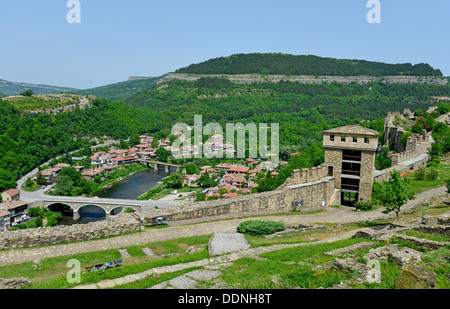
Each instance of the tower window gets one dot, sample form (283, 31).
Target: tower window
(332, 138)
(366, 140)
(355, 139)
(343, 138)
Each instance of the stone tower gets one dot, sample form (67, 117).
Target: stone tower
(350, 157)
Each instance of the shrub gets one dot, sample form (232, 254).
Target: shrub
(420, 173)
(259, 227)
(432, 174)
(447, 183)
(368, 205)
(200, 197)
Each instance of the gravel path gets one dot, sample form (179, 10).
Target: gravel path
(342, 215)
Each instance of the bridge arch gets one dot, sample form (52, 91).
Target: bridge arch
(118, 209)
(92, 211)
(64, 208)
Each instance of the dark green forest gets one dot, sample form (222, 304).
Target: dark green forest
(302, 110)
(284, 64)
(27, 141)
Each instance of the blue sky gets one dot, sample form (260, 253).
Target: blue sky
(117, 39)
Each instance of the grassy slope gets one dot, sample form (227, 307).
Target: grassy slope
(42, 102)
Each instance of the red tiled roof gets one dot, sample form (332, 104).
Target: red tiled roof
(92, 173)
(234, 194)
(238, 169)
(126, 158)
(245, 191)
(14, 204)
(12, 192)
(3, 213)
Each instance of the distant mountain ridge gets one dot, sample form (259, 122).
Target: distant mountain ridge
(285, 64)
(8, 88)
(122, 90)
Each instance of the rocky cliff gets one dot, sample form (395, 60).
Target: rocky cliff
(257, 78)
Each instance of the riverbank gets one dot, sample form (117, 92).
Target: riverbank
(73, 183)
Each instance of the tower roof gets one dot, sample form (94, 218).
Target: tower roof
(352, 129)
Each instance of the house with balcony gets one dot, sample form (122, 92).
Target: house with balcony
(16, 210)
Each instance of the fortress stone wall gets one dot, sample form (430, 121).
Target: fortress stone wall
(307, 175)
(113, 225)
(311, 195)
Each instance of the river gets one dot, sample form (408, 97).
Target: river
(133, 186)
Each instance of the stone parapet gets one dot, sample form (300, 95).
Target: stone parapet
(115, 225)
(308, 175)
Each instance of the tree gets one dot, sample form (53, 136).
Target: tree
(35, 212)
(7, 180)
(29, 183)
(27, 93)
(40, 179)
(134, 139)
(394, 194)
(163, 154)
(192, 169)
(175, 181)
(206, 182)
(382, 161)
(63, 185)
(155, 143)
(123, 144)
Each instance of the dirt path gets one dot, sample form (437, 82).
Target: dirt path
(342, 215)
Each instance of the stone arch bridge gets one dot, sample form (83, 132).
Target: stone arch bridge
(110, 206)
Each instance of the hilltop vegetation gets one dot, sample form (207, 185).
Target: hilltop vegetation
(27, 140)
(302, 110)
(121, 91)
(284, 64)
(42, 102)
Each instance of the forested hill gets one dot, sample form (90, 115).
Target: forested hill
(29, 140)
(122, 90)
(302, 110)
(284, 64)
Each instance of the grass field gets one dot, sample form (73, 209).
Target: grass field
(282, 269)
(422, 185)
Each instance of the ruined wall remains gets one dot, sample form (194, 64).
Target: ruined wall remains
(114, 225)
(384, 175)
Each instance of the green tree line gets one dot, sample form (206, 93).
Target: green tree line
(285, 64)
